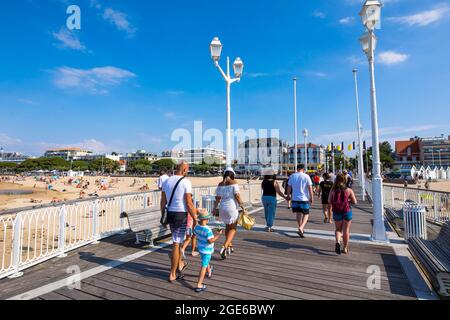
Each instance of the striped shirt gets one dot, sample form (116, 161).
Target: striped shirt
(204, 233)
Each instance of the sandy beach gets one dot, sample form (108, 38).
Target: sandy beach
(63, 190)
(441, 186)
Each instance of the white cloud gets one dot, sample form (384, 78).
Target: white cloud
(355, 60)
(347, 20)
(96, 80)
(318, 74)
(7, 141)
(120, 20)
(27, 101)
(257, 74)
(425, 18)
(175, 92)
(392, 57)
(319, 14)
(387, 133)
(69, 40)
(169, 115)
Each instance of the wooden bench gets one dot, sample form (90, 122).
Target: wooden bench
(395, 217)
(434, 258)
(146, 224)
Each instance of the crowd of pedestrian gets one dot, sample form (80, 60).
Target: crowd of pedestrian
(189, 225)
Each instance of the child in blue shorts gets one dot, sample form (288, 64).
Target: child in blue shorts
(205, 245)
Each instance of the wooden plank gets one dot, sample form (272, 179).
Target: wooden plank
(89, 288)
(154, 289)
(119, 286)
(53, 296)
(159, 279)
(77, 294)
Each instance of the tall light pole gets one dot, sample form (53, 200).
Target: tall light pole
(295, 127)
(216, 51)
(362, 180)
(305, 135)
(371, 17)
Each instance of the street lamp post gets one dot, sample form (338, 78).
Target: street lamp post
(295, 127)
(362, 180)
(305, 135)
(370, 14)
(238, 66)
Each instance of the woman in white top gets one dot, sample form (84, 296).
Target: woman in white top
(228, 201)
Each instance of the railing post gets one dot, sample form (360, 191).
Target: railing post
(17, 246)
(435, 206)
(95, 223)
(122, 211)
(392, 198)
(145, 201)
(62, 232)
(404, 195)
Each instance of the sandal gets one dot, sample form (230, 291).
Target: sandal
(301, 234)
(211, 272)
(184, 268)
(345, 251)
(223, 253)
(198, 290)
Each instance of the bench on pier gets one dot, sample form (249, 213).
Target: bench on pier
(434, 258)
(146, 224)
(395, 217)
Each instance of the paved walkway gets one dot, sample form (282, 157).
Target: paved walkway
(276, 265)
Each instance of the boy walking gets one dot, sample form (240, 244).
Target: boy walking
(205, 243)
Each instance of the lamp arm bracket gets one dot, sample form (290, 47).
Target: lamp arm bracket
(221, 71)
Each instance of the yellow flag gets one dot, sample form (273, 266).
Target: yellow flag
(329, 147)
(339, 148)
(350, 147)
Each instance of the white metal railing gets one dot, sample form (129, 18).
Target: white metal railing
(437, 204)
(34, 235)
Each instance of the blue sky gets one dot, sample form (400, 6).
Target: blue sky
(137, 70)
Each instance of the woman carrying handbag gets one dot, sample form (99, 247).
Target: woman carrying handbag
(228, 201)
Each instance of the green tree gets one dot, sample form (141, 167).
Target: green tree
(80, 166)
(104, 165)
(49, 164)
(8, 167)
(140, 166)
(387, 158)
(164, 164)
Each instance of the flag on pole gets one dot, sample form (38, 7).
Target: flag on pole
(364, 145)
(354, 145)
(339, 148)
(329, 148)
(350, 147)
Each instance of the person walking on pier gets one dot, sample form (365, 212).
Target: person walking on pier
(300, 191)
(324, 192)
(162, 178)
(285, 187)
(340, 199)
(206, 239)
(228, 201)
(270, 188)
(179, 190)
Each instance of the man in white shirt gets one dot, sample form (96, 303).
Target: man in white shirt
(177, 213)
(300, 191)
(162, 178)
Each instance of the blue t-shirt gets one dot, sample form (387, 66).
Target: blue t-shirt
(203, 235)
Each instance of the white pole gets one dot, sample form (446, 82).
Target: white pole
(362, 180)
(306, 154)
(295, 127)
(228, 114)
(379, 231)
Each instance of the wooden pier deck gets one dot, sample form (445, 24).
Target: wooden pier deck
(273, 266)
